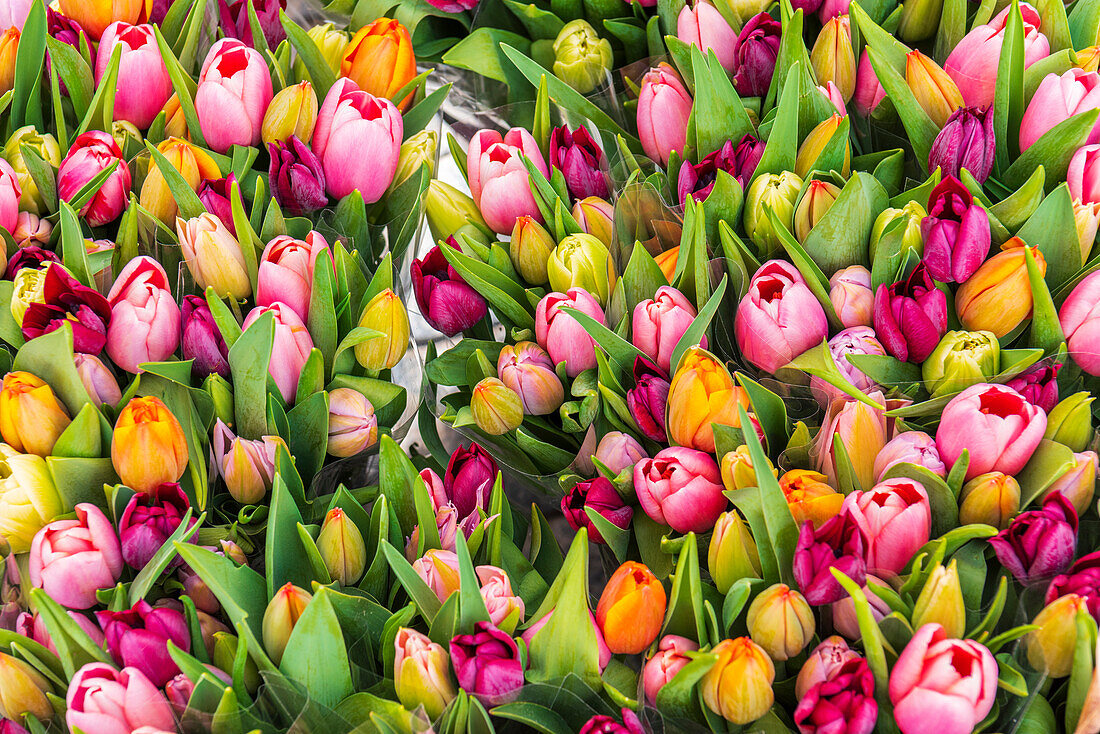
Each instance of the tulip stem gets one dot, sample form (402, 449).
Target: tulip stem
(236, 308)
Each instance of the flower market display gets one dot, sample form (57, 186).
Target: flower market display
(755, 394)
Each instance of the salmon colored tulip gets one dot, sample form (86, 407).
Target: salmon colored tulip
(148, 447)
(809, 497)
(631, 609)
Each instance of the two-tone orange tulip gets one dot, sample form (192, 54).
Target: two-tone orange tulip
(739, 685)
(31, 416)
(997, 297)
(9, 47)
(631, 609)
(935, 91)
(380, 60)
(810, 497)
(193, 163)
(148, 447)
(282, 613)
(95, 15)
(702, 393)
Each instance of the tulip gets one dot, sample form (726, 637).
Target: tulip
(942, 685)
(836, 544)
(202, 340)
(214, 256)
(704, 27)
(438, 569)
(13, 13)
(844, 611)
(738, 471)
(581, 160)
(143, 86)
(145, 320)
(739, 685)
(235, 21)
(1088, 58)
(1010, 429)
(779, 318)
(446, 301)
(832, 92)
(618, 452)
(380, 60)
(702, 393)
(732, 554)
(297, 177)
(941, 601)
(956, 233)
(192, 163)
(30, 229)
(387, 315)
(754, 55)
(95, 17)
(911, 447)
(293, 111)
(23, 188)
(698, 180)
(28, 498)
(913, 215)
(352, 424)
(961, 359)
(823, 663)
(66, 301)
(420, 673)
(895, 519)
(868, 91)
(31, 417)
(1080, 321)
(648, 400)
(809, 498)
(1082, 177)
(631, 609)
(966, 141)
(1057, 99)
(660, 322)
(843, 703)
(667, 261)
(71, 559)
(23, 691)
(246, 466)
(854, 341)
(973, 62)
(561, 335)
(991, 498)
(342, 548)
(148, 447)
(91, 153)
(175, 122)
(1039, 544)
(664, 106)
(1082, 579)
(1050, 648)
(504, 606)
(234, 90)
(1070, 422)
(487, 664)
(416, 153)
(449, 210)
(331, 42)
(852, 298)
(863, 431)
(599, 495)
(933, 88)
(496, 408)
(665, 664)
(809, 152)
(281, 615)
(777, 192)
(682, 488)
(139, 638)
(1086, 221)
(597, 218)
(910, 316)
(468, 481)
(499, 179)
(102, 700)
(1039, 385)
(581, 58)
(214, 195)
(814, 204)
(9, 49)
(832, 57)
(148, 521)
(1078, 483)
(530, 249)
(30, 287)
(526, 369)
(286, 271)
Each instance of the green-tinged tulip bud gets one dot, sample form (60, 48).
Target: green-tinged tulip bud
(225, 655)
(1050, 648)
(30, 287)
(282, 613)
(331, 42)
(497, 409)
(385, 314)
(448, 209)
(911, 238)
(420, 673)
(941, 601)
(582, 261)
(596, 217)
(22, 691)
(779, 191)
(1078, 483)
(961, 359)
(342, 548)
(919, 20)
(813, 205)
(233, 552)
(293, 111)
(780, 621)
(28, 497)
(581, 58)
(738, 471)
(127, 136)
(529, 250)
(992, 498)
(45, 145)
(419, 150)
(221, 393)
(815, 143)
(732, 555)
(1070, 421)
(833, 58)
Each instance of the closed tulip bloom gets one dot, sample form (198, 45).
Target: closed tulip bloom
(823, 663)
(836, 544)
(738, 471)
(498, 176)
(13, 13)
(619, 451)
(528, 370)
(832, 57)
(235, 22)
(72, 559)
(665, 664)
(22, 187)
(31, 416)
(777, 192)
(446, 301)
(681, 488)
(9, 49)
(293, 111)
(935, 91)
(804, 163)
(754, 55)
(599, 495)
(148, 521)
(581, 58)
(95, 17)
(910, 316)
(561, 335)
(247, 466)
(779, 318)
(973, 61)
(214, 195)
(421, 676)
(702, 393)
(380, 60)
(23, 691)
(732, 554)
(596, 217)
(214, 256)
(487, 664)
(868, 91)
(280, 617)
(956, 232)
(1039, 544)
(139, 638)
(385, 314)
(704, 27)
(439, 570)
(1070, 421)
(852, 298)
(739, 685)
(505, 607)
(992, 498)
(631, 609)
(1083, 175)
(469, 479)
(581, 160)
(1082, 579)
(234, 90)
(995, 424)
(660, 322)
(961, 359)
(286, 271)
(175, 123)
(1058, 98)
(863, 431)
(297, 177)
(148, 447)
(143, 85)
(664, 106)
(966, 141)
(496, 408)
(28, 498)
(417, 153)
(202, 340)
(857, 340)
(1078, 483)
(911, 447)
(1050, 649)
(530, 249)
(941, 685)
(342, 548)
(145, 320)
(809, 497)
(814, 204)
(194, 164)
(103, 700)
(1080, 320)
(352, 424)
(647, 401)
(895, 520)
(941, 601)
(91, 153)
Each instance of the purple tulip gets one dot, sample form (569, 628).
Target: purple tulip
(754, 55)
(139, 638)
(31, 256)
(297, 176)
(836, 544)
(202, 339)
(581, 161)
(1083, 579)
(63, 28)
(956, 233)
(807, 6)
(966, 141)
(911, 316)
(648, 399)
(446, 301)
(600, 495)
(697, 180)
(487, 664)
(214, 195)
(1039, 544)
(469, 479)
(842, 704)
(233, 16)
(67, 301)
(147, 522)
(1038, 385)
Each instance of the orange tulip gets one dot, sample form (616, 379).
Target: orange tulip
(631, 609)
(191, 161)
(810, 497)
(95, 15)
(31, 417)
(148, 447)
(9, 46)
(935, 91)
(666, 261)
(997, 297)
(702, 393)
(380, 60)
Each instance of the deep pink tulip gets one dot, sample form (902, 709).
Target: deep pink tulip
(1083, 579)
(869, 92)
(561, 335)
(358, 141)
(911, 447)
(618, 451)
(1039, 544)
(895, 519)
(1080, 319)
(940, 685)
(603, 724)
(600, 495)
(856, 340)
(704, 27)
(145, 320)
(214, 195)
(10, 191)
(648, 399)
(1038, 384)
(72, 559)
(286, 271)
(754, 55)
(972, 64)
(659, 323)
(202, 340)
(830, 9)
(102, 700)
(581, 160)
(836, 544)
(139, 637)
(956, 232)
(779, 318)
(697, 179)
(234, 21)
(499, 181)
(143, 85)
(32, 626)
(832, 91)
(911, 316)
(968, 141)
(996, 424)
(1057, 99)
(1083, 176)
(148, 520)
(681, 488)
(233, 93)
(665, 664)
(91, 153)
(446, 301)
(453, 6)
(67, 301)
(28, 256)
(468, 481)
(843, 704)
(487, 664)
(664, 106)
(289, 350)
(296, 177)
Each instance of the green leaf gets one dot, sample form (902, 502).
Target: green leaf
(685, 607)
(839, 238)
(1050, 461)
(248, 362)
(315, 654)
(779, 152)
(74, 647)
(29, 64)
(150, 574)
(396, 477)
(717, 114)
(618, 349)
(183, 86)
(533, 716)
(1046, 330)
(1008, 100)
(693, 335)
(1052, 229)
(1053, 150)
(76, 74)
(420, 593)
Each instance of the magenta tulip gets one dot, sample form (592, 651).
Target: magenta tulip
(681, 488)
(139, 637)
(704, 27)
(358, 141)
(603, 724)
(599, 495)
(487, 664)
(297, 176)
(972, 64)
(214, 195)
(779, 318)
(143, 85)
(201, 340)
(1083, 579)
(869, 92)
(10, 191)
(286, 271)
(911, 316)
(446, 301)
(145, 320)
(91, 153)
(697, 180)
(1080, 319)
(1039, 385)
(843, 704)
(895, 519)
(996, 424)
(911, 447)
(659, 323)
(1083, 176)
(647, 401)
(468, 481)
(234, 20)
(499, 181)
(233, 93)
(664, 106)
(289, 350)
(72, 559)
(956, 232)
(967, 141)
(754, 55)
(67, 301)
(837, 544)
(561, 335)
(581, 160)
(1057, 99)
(102, 700)
(1039, 544)
(669, 660)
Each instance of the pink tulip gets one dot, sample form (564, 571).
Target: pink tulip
(832, 91)
(940, 685)
(895, 519)
(844, 611)
(439, 570)
(665, 664)
(604, 652)
(823, 661)
(71, 559)
(91, 153)
(1083, 176)
(857, 340)
(358, 141)
(32, 626)
(681, 488)
(13, 13)
(973, 62)
(618, 450)
(779, 318)
(145, 320)
(286, 271)
(996, 424)
(499, 182)
(233, 93)
(851, 295)
(561, 335)
(102, 700)
(10, 191)
(289, 350)
(660, 322)
(500, 601)
(1057, 99)
(704, 27)
(911, 447)
(664, 106)
(832, 8)
(869, 92)
(143, 85)
(1080, 319)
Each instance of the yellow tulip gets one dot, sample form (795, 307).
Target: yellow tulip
(935, 91)
(739, 686)
(702, 393)
(780, 621)
(31, 416)
(385, 314)
(28, 498)
(293, 111)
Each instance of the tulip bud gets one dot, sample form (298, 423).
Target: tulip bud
(664, 106)
(754, 55)
(919, 20)
(448, 210)
(600, 495)
(280, 616)
(497, 409)
(966, 141)
(331, 42)
(487, 664)
(739, 685)
(297, 177)
(386, 314)
(23, 691)
(420, 673)
(732, 555)
(45, 145)
(669, 660)
(582, 261)
(30, 229)
(941, 601)
(702, 393)
(997, 297)
(813, 205)
(992, 498)
(224, 654)
(911, 316)
(148, 447)
(352, 424)
(1050, 648)
(97, 379)
(293, 111)
(780, 621)
(809, 497)
(89, 155)
(631, 609)
(342, 548)
(596, 217)
(935, 91)
(1086, 220)
(1040, 543)
(778, 192)
(193, 163)
(418, 151)
(833, 58)
(31, 416)
(30, 287)
(380, 60)
(581, 58)
(214, 256)
(221, 393)
(582, 162)
(530, 250)
(815, 143)
(9, 48)
(911, 237)
(1070, 421)
(1078, 483)
(961, 359)
(618, 451)
(175, 125)
(526, 369)
(852, 298)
